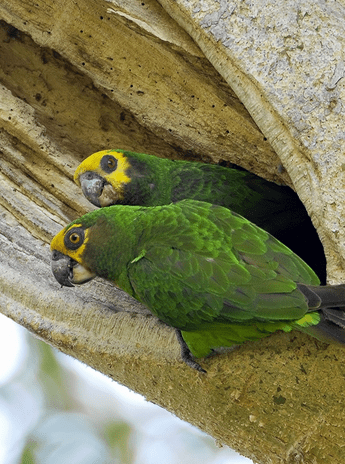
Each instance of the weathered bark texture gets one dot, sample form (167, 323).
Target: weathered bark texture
(285, 61)
(85, 75)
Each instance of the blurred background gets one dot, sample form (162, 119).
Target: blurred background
(54, 409)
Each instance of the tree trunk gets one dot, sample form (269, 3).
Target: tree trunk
(264, 91)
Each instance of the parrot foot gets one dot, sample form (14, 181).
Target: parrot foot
(186, 355)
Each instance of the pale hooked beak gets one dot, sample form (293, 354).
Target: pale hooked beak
(68, 272)
(97, 190)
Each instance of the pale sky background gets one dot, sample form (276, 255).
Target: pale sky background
(163, 438)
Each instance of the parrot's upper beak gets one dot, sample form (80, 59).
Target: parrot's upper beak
(97, 190)
(68, 272)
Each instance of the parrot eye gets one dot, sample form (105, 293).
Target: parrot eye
(108, 163)
(74, 238)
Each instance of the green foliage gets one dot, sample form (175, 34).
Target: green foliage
(28, 455)
(118, 435)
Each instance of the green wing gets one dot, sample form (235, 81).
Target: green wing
(221, 268)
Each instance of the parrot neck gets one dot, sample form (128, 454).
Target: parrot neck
(149, 184)
(111, 243)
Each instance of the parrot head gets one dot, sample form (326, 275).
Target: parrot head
(67, 254)
(103, 177)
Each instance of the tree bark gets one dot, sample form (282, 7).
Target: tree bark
(285, 61)
(81, 76)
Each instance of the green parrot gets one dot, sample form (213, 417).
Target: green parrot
(123, 177)
(215, 277)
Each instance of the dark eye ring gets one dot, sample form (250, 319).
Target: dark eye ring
(74, 238)
(108, 163)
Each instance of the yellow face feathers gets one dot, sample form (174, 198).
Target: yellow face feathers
(112, 165)
(71, 242)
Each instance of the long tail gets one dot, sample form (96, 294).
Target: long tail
(329, 301)
(323, 296)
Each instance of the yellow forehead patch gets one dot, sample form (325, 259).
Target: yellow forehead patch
(58, 243)
(116, 178)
